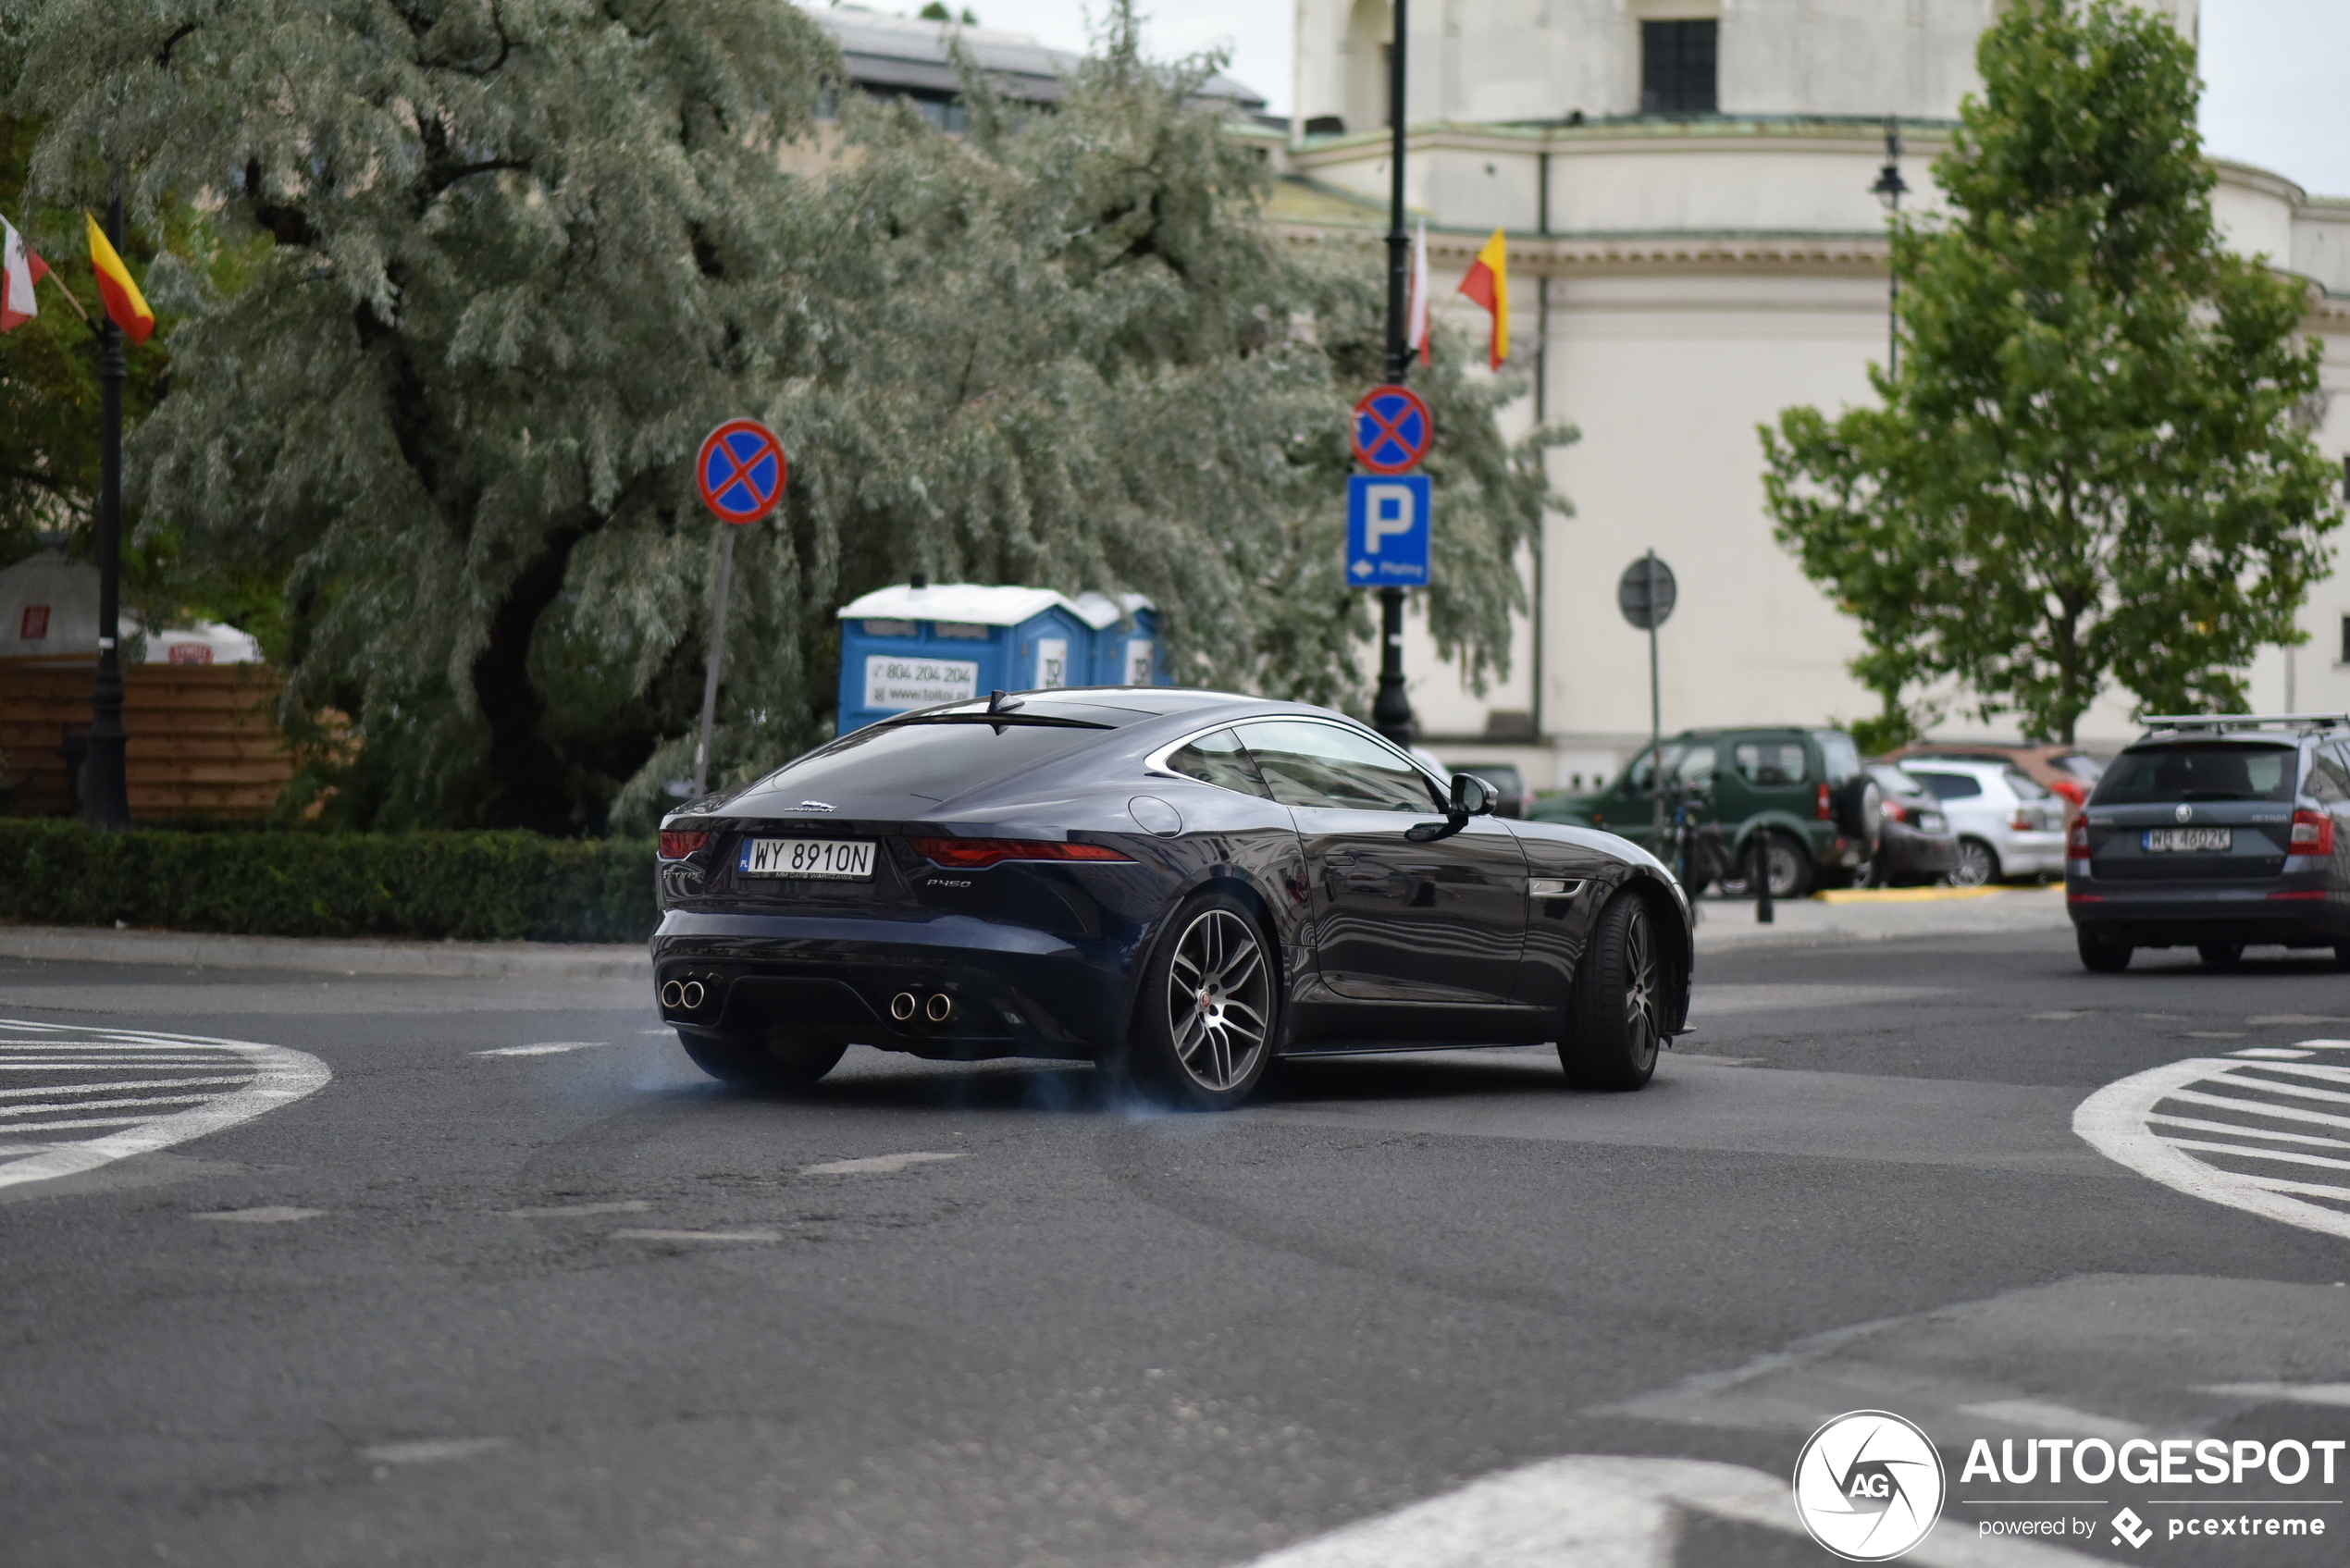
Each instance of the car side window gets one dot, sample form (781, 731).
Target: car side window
(1219, 760)
(1310, 764)
(1948, 786)
(2025, 787)
(2329, 781)
(1636, 777)
(1696, 767)
(1771, 764)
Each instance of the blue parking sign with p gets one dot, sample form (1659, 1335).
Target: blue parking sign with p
(1387, 530)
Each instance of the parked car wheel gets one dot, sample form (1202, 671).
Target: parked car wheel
(2100, 956)
(1978, 864)
(2220, 955)
(1615, 1018)
(1203, 1026)
(772, 1061)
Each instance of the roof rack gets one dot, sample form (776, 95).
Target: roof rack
(2224, 722)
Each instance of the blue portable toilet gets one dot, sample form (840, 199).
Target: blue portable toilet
(909, 647)
(1125, 639)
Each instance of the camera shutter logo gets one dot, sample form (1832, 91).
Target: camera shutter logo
(1869, 1486)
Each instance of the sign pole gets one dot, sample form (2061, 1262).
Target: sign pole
(1656, 709)
(717, 653)
(1391, 710)
(106, 788)
(740, 473)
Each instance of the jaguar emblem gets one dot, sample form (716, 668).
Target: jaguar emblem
(2184, 813)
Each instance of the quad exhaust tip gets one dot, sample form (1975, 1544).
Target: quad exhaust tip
(687, 994)
(693, 993)
(902, 1005)
(941, 1008)
(672, 994)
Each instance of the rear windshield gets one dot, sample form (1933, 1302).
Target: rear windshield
(931, 761)
(2161, 775)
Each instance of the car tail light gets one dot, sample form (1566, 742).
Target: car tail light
(1825, 809)
(2076, 840)
(2312, 833)
(968, 852)
(2311, 893)
(2022, 821)
(677, 846)
(1894, 811)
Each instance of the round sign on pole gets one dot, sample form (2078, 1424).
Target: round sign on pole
(1392, 430)
(1645, 593)
(740, 471)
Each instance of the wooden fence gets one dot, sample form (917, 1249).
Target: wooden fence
(202, 741)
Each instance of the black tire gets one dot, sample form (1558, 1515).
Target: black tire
(1978, 864)
(1790, 866)
(2220, 955)
(1615, 1018)
(2101, 956)
(1208, 1015)
(1860, 811)
(773, 1061)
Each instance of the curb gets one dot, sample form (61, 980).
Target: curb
(2012, 911)
(454, 960)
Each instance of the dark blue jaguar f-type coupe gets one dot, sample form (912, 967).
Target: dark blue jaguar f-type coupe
(1180, 885)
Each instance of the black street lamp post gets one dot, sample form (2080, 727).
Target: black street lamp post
(1391, 710)
(1889, 189)
(105, 790)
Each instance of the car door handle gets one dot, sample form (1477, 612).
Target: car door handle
(1553, 887)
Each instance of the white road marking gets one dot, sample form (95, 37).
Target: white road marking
(246, 1079)
(276, 1214)
(2300, 1393)
(1594, 1512)
(544, 1048)
(428, 1451)
(2274, 1053)
(875, 1165)
(698, 1235)
(114, 1083)
(563, 1210)
(2126, 1122)
(2050, 1417)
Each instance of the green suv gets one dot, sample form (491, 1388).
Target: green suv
(1804, 790)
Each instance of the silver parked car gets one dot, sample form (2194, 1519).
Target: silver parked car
(2007, 825)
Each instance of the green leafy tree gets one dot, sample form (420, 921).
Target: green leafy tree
(521, 257)
(2095, 466)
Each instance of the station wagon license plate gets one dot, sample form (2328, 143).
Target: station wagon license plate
(841, 859)
(2190, 841)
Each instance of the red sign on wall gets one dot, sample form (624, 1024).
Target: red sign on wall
(35, 624)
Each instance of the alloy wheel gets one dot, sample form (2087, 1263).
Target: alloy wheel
(1643, 987)
(1975, 865)
(1218, 996)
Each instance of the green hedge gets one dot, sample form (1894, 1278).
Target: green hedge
(472, 886)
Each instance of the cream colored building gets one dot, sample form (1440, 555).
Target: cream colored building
(1694, 246)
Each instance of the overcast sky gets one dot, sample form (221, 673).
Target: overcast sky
(2276, 70)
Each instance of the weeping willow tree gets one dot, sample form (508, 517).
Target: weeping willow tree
(522, 255)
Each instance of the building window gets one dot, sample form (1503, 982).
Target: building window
(2346, 639)
(1677, 68)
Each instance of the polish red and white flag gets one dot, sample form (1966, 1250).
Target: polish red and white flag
(20, 270)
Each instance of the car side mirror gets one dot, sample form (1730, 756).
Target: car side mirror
(1472, 797)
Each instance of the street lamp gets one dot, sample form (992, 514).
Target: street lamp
(1889, 189)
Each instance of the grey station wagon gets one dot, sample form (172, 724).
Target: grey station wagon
(2215, 833)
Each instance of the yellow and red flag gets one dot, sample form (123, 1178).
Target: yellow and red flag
(124, 302)
(1489, 284)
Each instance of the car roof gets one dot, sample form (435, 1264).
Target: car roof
(1964, 764)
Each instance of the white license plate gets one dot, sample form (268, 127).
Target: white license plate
(2190, 841)
(841, 859)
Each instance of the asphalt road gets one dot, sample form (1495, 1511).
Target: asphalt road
(515, 1285)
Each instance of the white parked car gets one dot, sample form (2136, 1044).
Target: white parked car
(2007, 825)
